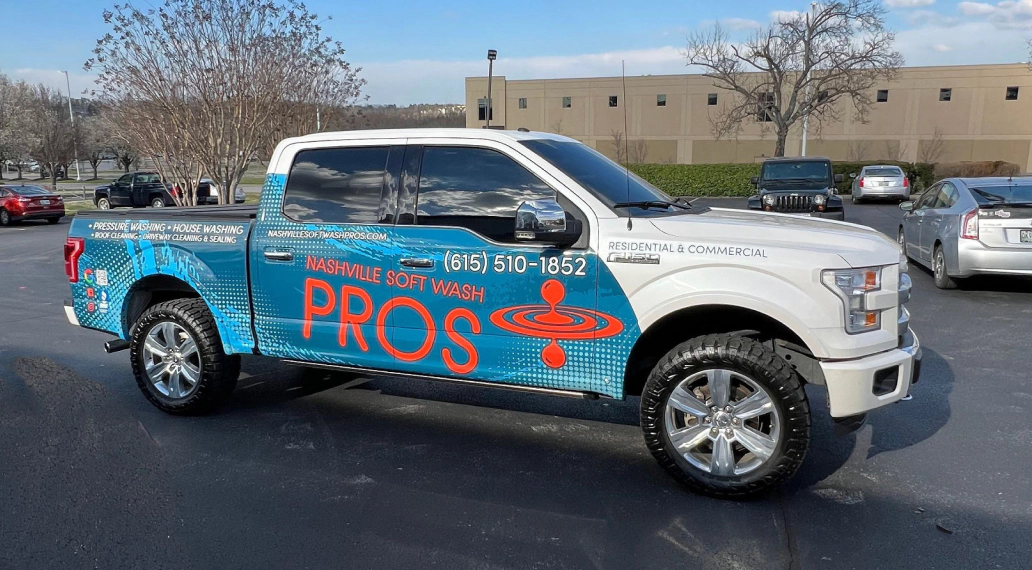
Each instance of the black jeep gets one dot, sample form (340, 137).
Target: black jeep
(801, 185)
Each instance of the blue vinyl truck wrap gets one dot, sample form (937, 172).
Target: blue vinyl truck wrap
(519, 260)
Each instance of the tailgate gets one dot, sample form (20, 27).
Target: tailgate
(1005, 227)
(125, 255)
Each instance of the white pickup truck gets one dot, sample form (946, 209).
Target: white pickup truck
(521, 260)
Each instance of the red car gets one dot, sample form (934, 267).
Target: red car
(25, 202)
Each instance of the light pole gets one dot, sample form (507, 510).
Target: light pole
(492, 55)
(71, 116)
(806, 59)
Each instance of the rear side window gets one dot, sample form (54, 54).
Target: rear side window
(947, 196)
(148, 178)
(336, 185)
(475, 188)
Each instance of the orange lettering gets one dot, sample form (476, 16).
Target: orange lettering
(311, 310)
(431, 329)
(352, 320)
(464, 344)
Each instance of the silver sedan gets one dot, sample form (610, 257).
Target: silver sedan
(880, 182)
(966, 226)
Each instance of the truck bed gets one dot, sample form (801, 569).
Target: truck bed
(228, 212)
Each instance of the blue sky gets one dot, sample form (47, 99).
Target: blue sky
(419, 52)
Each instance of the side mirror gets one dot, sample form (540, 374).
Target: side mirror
(544, 221)
(852, 175)
(838, 178)
(907, 206)
(755, 180)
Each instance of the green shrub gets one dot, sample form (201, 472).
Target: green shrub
(700, 179)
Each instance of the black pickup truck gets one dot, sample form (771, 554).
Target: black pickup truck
(798, 185)
(134, 190)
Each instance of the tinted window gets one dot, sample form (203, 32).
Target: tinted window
(608, 181)
(30, 191)
(125, 179)
(928, 197)
(805, 170)
(883, 171)
(336, 185)
(152, 178)
(3, 193)
(1003, 194)
(475, 188)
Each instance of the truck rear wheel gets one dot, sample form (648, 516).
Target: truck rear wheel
(726, 416)
(178, 360)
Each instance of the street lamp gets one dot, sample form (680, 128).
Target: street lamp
(492, 55)
(71, 116)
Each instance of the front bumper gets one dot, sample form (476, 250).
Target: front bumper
(860, 385)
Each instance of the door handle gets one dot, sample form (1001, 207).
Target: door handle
(278, 255)
(417, 263)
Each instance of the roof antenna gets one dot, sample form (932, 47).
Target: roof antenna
(627, 171)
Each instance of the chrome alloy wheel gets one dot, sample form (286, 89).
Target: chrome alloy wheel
(939, 265)
(722, 422)
(171, 360)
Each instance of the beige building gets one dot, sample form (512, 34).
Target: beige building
(943, 114)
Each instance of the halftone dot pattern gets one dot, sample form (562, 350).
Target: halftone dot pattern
(217, 273)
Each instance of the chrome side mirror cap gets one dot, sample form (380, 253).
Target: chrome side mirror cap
(543, 221)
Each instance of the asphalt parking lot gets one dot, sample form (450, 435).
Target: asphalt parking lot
(302, 471)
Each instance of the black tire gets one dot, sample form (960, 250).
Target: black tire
(103, 203)
(855, 199)
(218, 371)
(53, 221)
(5, 218)
(157, 202)
(742, 356)
(940, 271)
(902, 242)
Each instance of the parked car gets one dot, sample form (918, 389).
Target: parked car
(880, 182)
(521, 260)
(966, 226)
(800, 185)
(134, 190)
(28, 202)
(208, 193)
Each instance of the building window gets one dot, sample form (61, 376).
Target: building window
(945, 94)
(523, 102)
(567, 102)
(661, 100)
(1012, 93)
(883, 96)
(711, 99)
(482, 110)
(613, 101)
(765, 104)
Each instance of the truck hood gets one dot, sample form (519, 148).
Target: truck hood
(858, 246)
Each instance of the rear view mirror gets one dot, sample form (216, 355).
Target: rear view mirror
(907, 206)
(755, 180)
(838, 178)
(544, 221)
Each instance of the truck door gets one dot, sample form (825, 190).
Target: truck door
(321, 250)
(470, 301)
(119, 193)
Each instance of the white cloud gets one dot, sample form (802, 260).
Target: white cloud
(82, 83)
(922, 18)
(971, 42)
(908, 3)
(786, 15)
(1010, 14)
(941, 48)
(740, 24)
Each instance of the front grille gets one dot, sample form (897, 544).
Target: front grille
(786, 203)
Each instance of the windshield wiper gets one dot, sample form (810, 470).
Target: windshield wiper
(646, 204)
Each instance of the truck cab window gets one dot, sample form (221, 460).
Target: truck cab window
(475, 188)
(336, 185)
(125, 179)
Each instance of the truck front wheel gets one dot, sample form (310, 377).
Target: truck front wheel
(178, 360)
(726, 416)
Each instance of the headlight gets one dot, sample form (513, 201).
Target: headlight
(820, 199)
(852, 286)
(768, 199)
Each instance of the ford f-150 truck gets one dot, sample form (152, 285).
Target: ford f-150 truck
(521, 260)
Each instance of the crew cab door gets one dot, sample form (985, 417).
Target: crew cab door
(320, 252)
(471, 301)
(120, 191)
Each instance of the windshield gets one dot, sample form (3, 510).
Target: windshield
(802, 171)
(884, 171)
(605, 179)
(1003, 194)
(29, 190)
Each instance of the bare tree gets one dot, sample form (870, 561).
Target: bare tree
(895, 151)
(220, 79)
(95, 141)
(54, 134)
(857, 151)
(931, 152)
(124, 152)
(800, 65)
(618, 146)
(639, 151)
(15, 122)
(557, 127)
